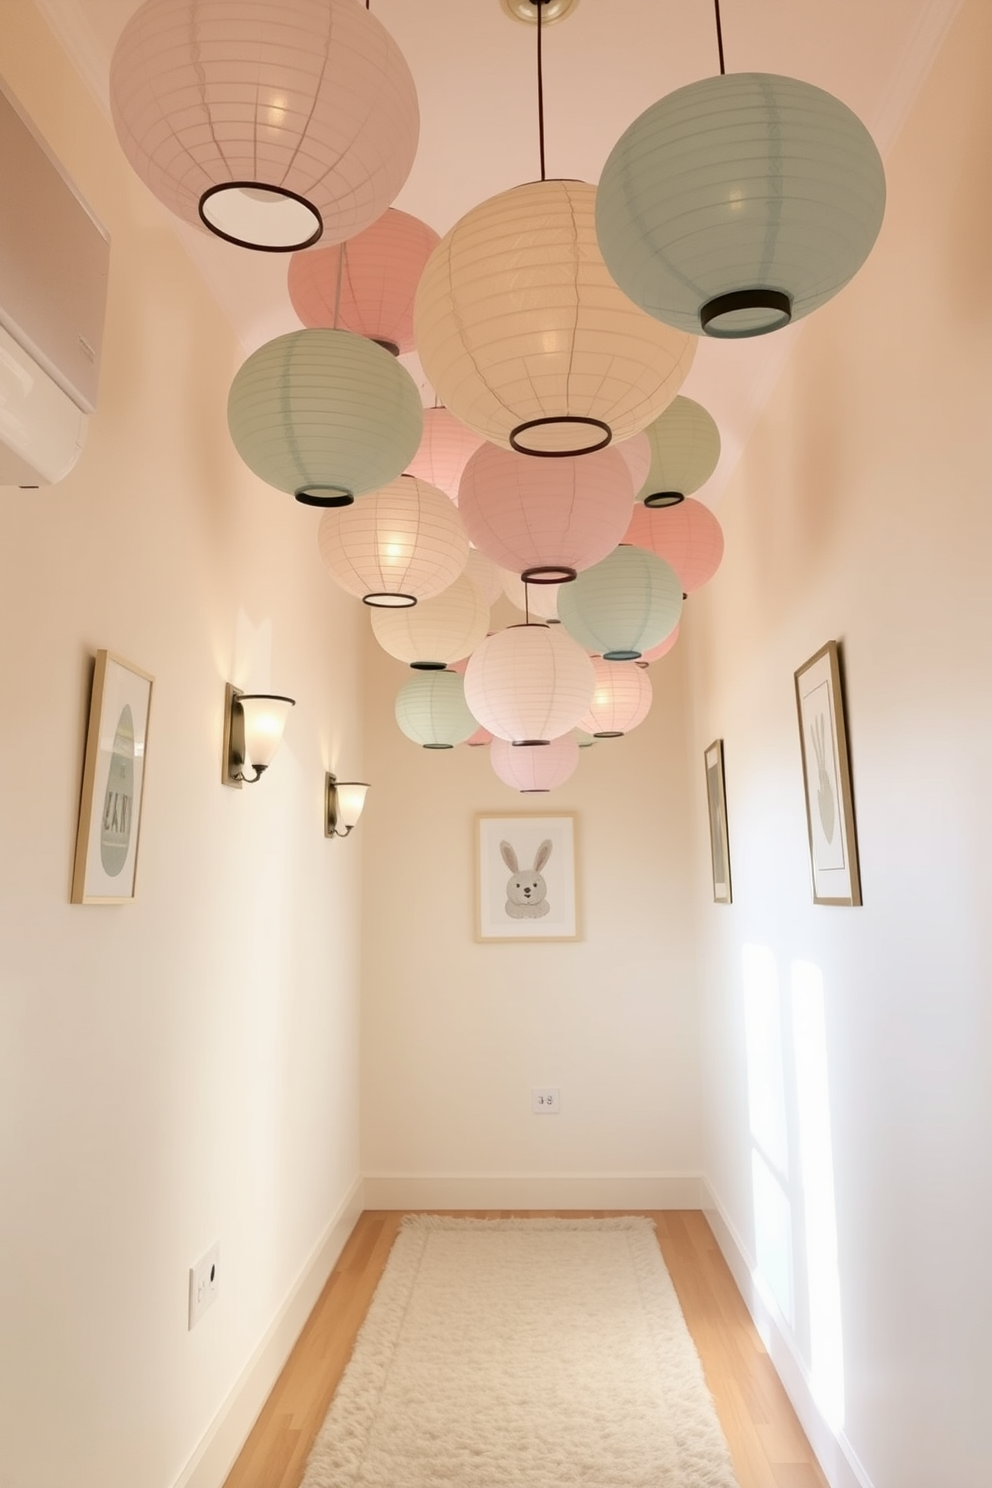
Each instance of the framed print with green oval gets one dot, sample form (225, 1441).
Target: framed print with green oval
(113, 783)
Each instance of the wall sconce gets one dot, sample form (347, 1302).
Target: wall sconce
(343, 803)
(253, 727)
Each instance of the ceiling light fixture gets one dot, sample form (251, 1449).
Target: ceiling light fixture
(344, 802)
(253, 729)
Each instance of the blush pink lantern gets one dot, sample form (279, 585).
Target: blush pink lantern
(621, 697)
(446, 446)
(535, 769)
(688, 536)
(529, 684)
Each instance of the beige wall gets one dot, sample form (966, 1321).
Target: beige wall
(861, 511)
(182, 1070)
(456, 1033)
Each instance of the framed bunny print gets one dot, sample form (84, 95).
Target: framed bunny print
(525, 878)
(833, 845)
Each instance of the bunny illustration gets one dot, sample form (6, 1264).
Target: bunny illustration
(527, 892)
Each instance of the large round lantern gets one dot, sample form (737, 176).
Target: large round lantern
(623, 606)
(687, 536)
(685, 447)
(395, 546)
(324, 415)
(445, 449)
(536, 601)
(739, 203)
(368, 284)
(529, 684)
(525, 336)
(432, 711)
(269, 125)
(431, 635)
(621, 698)
(535, 769)
(545, 519)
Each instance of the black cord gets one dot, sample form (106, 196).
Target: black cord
(540, 85)
(719, 37)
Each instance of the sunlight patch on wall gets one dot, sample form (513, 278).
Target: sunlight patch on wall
(769, 1131)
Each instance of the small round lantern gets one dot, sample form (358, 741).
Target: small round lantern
(535, 769)
(623, 606)
(395, 546)
(685, 446)
(446, 447)
(621, 698)
(431, 635)
(432, 711)
(687, 536)
(529, 684)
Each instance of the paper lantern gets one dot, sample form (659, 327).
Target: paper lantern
(687, 536)
(582, 739)
(662, 648)
(685, 446)
(739, 203)
(539, 601)
(479, 738)
(325, 415)
(432, 711)
(529, 683)
(623, 606)
(621, 698)
(535, 768)
(379, 273)
(436, 632)
(527, 339)
(483, 571)
(445, 449)
(545, 519)
(271, 125)
(395, 546)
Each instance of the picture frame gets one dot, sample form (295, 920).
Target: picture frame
(109, 826)
(525, 878)
(716, 800)
(833, 845)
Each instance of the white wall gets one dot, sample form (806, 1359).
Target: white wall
(182, 1070)
(861, 512)
(455, 1033)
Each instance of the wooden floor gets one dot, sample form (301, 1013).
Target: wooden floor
(768, 1445)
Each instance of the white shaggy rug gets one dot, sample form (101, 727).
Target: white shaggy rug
(523, 1353)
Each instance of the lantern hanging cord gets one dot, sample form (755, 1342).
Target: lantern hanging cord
(719, 37)
(337, 287)
(540, 85)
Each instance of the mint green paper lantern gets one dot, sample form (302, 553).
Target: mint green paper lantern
(685, 448)
(325, 415)
(432, 711)
(739, 203)
(623, 606)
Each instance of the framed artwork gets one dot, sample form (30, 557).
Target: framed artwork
(833, 845)
(113, 781)
(716, 798)
(525, 878)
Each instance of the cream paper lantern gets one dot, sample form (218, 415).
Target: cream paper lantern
(535, 769)
(269, 124)
(621, 698)
(525, 336)
(685, 447)
(623, 606)
(446, 447)
(431, 635)
(395, 546)
(432, 711)
(529, 684)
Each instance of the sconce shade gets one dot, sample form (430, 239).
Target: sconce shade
(662, 648)
(525, 336)
(436, 632)
(380, 270)
(545, 519)
(325, 415)
(268, 124)
(621, 698)
(540, 601)
(484, 572)
(445, 449)
(535, 768)
(623, 606)
(253, 730)
(432, 711)
(344, 802)
(687, 536)
(738, 203)
(395, 546)
(685, 447)
(529, 683)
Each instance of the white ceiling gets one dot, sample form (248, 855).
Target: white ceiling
(475, 70)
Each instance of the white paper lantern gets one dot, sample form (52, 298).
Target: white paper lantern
(623, 606)
(529, 683)
(432, 634)
(535, 769)
(395, 546)
(621, 698)
(432, 711)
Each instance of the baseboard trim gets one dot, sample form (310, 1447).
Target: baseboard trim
(218, 1450)
(532, 1191)
(834, 1452)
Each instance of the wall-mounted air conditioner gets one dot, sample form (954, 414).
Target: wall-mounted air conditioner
(54, 263)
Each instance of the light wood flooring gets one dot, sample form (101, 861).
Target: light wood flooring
(768, 1445)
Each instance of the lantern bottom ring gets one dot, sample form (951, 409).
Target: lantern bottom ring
(621, 655)
(387, 601)
(560, 454)
(318, 495)
(428, 666)
(389, 346)
(548, 573)
(608, 734)
(730, 317)
(437, 746)
(663, 498)
(231, 208)
(528, 743)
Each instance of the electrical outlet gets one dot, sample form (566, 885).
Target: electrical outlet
(544, 1101)
(204, 1284)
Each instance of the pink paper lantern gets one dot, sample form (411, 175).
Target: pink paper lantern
(545, 519)
(446, 446)
(688, 536)
(535, 768)
(380, 270)
(529, 683)
(663, 647)
(480, 737)
(394, 546)
(621, 697)
(271, 125)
